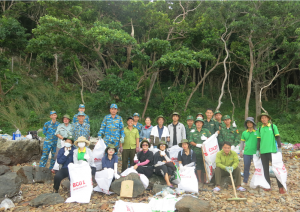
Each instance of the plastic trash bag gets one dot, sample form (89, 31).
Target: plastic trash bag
(189, 182)
(258, 178)
(210, 149)
(279, 169)
(173, 151)
(7, 203)
(98, 153)
(104, 179)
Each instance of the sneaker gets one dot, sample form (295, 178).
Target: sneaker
(244, 184)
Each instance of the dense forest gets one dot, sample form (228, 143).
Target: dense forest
(149, 57)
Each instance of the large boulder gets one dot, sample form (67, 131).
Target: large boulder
(138, 187)
(4, 169)
(47, 199)
(192, 204)
(20, 151)
(30, 174)
(155, 179)
(10, 184)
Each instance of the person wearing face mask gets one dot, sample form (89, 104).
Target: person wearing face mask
(83, 153)
(64, 157)
(144, 160)
(163, 166)
(110, 160)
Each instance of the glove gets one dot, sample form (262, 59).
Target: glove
(234, 124)
(279, 150)
(135, 157)
(121, 149)
(216, 133)
(105, 168)
(203, 137)
(137, 149)
(162, 153)
(122, 140)
(67, 153)
(257, 153)
(86, 156)
(199, 145)
(117, 176)
(229, 169)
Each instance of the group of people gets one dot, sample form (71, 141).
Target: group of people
(136, 143)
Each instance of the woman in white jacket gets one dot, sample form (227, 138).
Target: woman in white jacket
(159, 132)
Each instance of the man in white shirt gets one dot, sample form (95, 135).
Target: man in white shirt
(177, 130)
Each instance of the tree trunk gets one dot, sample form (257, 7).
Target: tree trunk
(152, 81)
(250, 79)
(257, 99)
(56, 68)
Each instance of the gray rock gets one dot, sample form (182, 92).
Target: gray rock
(10, 184)
(138, 187)
(65, 184)
(42, 174)
(47, 199)
(30, 174)
(26, 174)
(4, 169)
(294, 167)
(191, 204)
(157, 188)
(18, 152)
(155, 179)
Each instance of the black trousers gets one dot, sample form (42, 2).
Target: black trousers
(163, 170)
(148, 171)
(127, 154)
(59, 176)
(265, 159)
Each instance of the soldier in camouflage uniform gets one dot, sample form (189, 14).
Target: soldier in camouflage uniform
(80, 128)
(112, 128)
(209, 123)
(218, 118)
(81, 108)
(190, 126)
(228, 133)
(196, 140)
(50, 142)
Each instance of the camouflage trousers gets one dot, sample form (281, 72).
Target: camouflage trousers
(47, 147)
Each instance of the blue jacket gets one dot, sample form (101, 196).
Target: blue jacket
(145, 133)
(65, 160)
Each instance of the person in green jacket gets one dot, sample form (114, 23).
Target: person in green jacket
(228, 133)
(209, 123)
(227, 161)
(190, 126)
(218, 118)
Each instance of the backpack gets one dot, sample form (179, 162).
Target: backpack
(191, 153)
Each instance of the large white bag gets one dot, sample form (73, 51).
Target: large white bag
(81, 185)
(173, 151)
(121, 206)
(98, 153)
(56, 166)
(189, 182)
(279, 168)
(128, 171)
(144, 180)
(258, 178)
(103, 179)
(210, 149)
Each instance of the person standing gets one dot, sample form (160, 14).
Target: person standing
(249, 142)
(130, 145)
(50, 142)
(159, 132)
(227, 161)
(146, 130)
(267, 137)
(196, 140)
(81, 108)
(209, 123)
(63, 131)
(228, 133)
(200, 115)
(176, 130)
(218, 118)
(112, 128)
(190, 126)
(80, 128)
(136, 123)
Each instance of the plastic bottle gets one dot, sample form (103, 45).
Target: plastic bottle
(18, 134)
(34, 164)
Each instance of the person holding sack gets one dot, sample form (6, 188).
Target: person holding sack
(83, 153)
(110, 160)
(163, 165)
(267, 137)
(159, 132)
(144, 160)
(64, 157)
(186, 157)
(249, 141)
(227, 161)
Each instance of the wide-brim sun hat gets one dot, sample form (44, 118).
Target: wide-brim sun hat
(82, 139)
(110, 146)
(263, 114)
(143, 141)
(162, 143)
(184, 141)
(251, 119)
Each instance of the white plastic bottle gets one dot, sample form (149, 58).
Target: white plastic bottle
(18, 134)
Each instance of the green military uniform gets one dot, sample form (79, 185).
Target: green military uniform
(231, 135)
(196, 138)
(221, 124)
(212, 126)
(187, 129)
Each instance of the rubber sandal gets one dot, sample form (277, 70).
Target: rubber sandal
(282, 191)
(216, 189)
(241, 189)
(171, 186)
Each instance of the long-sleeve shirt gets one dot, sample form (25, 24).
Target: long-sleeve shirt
(157, 157)
(64, 131)
(223, 160)
(80, 130)
(112, 129)
(65, 160)
(49, 130)
(86, 119)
